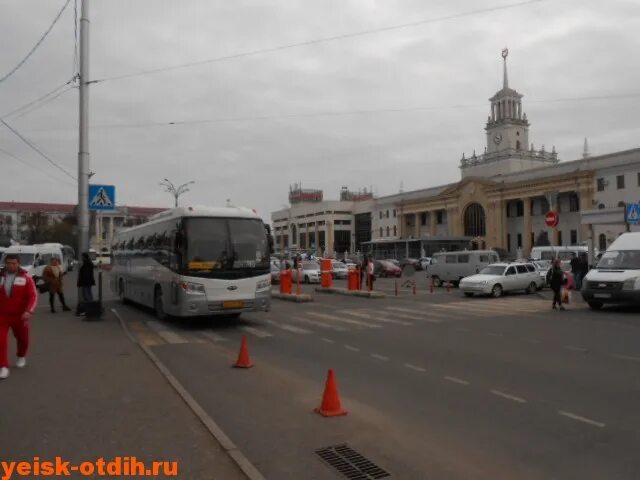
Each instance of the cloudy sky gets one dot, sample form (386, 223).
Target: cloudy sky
(385, 108)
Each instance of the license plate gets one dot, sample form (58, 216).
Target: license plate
(232, 304)
(601, 295)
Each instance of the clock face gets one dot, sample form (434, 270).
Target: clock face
(497, 139)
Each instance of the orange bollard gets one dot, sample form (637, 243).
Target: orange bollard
(330, 406)
(243, 357)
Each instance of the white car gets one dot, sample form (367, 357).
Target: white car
(339, 269)
(499, 278)
(310, 273)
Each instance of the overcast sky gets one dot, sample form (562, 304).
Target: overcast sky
(425, 87)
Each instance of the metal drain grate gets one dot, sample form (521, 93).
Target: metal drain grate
(350, 463)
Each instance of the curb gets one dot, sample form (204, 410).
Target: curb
(351, 293)
(291, 297)
(250, 471)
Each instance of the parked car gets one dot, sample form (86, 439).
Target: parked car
(414, 262)
(275, 273)
(310, 272)
(385, 268)
(498, 278)
(394, 261)
(542, 266)
(339, 269)
(454, 266)
(616, 278)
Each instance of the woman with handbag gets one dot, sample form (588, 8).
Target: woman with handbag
(53, 278)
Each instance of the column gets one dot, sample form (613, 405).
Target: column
(433, 216)
(416, 226)
(111, 232)
(98, 230)
(504, 224)
(526, 234)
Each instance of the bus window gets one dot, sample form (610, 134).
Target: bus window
(463, 258)
(451, 259)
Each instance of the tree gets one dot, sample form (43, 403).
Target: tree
(542, 240)
(37, 226)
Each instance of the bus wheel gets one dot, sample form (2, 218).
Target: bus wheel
(159, 305)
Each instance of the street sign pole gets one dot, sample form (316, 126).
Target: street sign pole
(83, 134)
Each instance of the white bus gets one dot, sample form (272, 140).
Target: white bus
(195, 261)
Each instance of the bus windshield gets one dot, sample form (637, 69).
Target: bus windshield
(225, 247)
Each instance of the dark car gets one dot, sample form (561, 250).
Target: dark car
(414, 262)
(385, 268)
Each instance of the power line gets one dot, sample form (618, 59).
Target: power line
(32, 146)
(319, 40)
(37, 100)
(55, 20)
(42, 104)
(9, 154)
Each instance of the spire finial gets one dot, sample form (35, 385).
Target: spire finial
(585, 152)
(505, 81)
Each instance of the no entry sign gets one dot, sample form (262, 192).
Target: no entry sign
(551, 219)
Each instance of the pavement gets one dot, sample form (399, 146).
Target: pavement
(88, 392)
(437, 385)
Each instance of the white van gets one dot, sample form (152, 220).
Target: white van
(65, 254)
(616, 278)
(33, 258)
(564, 253)
(454, 266)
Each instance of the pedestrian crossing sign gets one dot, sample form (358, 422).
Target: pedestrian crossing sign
(633, 213)
(102, 197)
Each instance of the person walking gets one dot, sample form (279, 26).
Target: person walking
(53, 278)
(576, 269)
(363, 269)
(86, 281)
(583, 269)
(18, 300)
(556, 280)
(370, 272)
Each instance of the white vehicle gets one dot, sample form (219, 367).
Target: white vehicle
(339, 269)
(67, 254)
(499, 278)
(33, 258)
(309, 273)
(616, 278)
(454, 266)
(564, 253)
(195, 261)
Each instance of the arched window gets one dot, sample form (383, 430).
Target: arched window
(294, 235)
(602, 242)
(622, 204)
(474, 221)
(517, 144)
(381, 233)
(601, 206)
(395, 231)
(388, 231)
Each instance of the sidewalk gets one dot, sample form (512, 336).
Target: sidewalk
(89, 392)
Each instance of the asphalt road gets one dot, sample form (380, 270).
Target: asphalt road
(438, 386)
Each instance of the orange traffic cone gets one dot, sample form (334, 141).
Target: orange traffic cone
(330, 399)
(243, 357)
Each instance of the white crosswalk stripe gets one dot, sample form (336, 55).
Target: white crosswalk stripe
(318, 323)
(214, 337)
(256, 332)
(288, 328)
(375, 317)
(171, 337)
(336, 318)
(425, 315)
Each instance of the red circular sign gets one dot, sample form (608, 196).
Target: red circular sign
(551, 219)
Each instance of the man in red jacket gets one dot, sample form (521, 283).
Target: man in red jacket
(18, 299)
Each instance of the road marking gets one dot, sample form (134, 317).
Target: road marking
(581, 419)
(353, 349)
(456, 380)
(407, 310)
(414, 367)
(377, 319)
(626, 357)
(156, 326)
(214, 337)
(495, 334)
(149, 339)
(380, 357)
(257, 332)
(171, 337)
(508, 397)
(328, 340)
(316, 323)
(288, 328)
(575, 349)
(418, 315)
(344, 320)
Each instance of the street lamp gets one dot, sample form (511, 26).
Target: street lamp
(175, 191)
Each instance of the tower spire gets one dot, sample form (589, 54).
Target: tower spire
(505, 81)
(585, 152)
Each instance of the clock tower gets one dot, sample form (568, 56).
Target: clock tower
(507, 130)
(507, 126)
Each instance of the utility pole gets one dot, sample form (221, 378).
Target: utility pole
(83, 143)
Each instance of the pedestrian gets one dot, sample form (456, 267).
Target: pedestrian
(370, 270)
(86, 281)
(18, 300)
(556, 280)
(576, 268)
(364, 267)
(584, 269)
(53, 278)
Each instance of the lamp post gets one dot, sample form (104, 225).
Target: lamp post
(176, 191)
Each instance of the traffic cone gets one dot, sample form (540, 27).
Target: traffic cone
(243, 357)
(330, 399)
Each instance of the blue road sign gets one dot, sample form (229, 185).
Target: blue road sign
(102, 197)
(633, 213)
